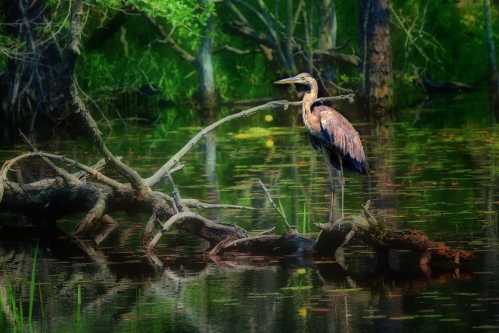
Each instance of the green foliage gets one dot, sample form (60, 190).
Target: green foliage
(185, 15)
(448, 39)
(8, 49)
(184, 18)
(442, 38)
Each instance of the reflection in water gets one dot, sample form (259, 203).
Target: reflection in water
(211, 172)
(433, 169)
(87, 289)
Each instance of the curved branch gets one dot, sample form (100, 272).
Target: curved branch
(68, 177)
(161, 172)
(93, 214)
(167, 38)
(270, 27)
(195, 203)
(171, 221)
(199, 226)
(93, 172)
(279, 211)
(88, 121)
(284, 104)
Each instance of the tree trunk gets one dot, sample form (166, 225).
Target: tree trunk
(376, 56)
(494, 75)
(37, 81)
(205, 64)
(289, 36)
(328, 36)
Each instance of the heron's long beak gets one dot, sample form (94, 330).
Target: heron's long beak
(288, 80)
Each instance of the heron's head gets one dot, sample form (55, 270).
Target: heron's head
(302, 78)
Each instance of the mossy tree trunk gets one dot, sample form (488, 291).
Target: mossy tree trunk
(377, 81)
(494, 74)
(328, 35)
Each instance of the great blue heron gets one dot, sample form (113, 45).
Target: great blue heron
(330, 133)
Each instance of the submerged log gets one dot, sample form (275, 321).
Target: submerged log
(364, 226)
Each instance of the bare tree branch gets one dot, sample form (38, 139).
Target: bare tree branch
(269, 197)
(96, 174)
(284, 104)
(88, 121)
(68, 177)
(194, 203)
(167, 38)
(93, 214)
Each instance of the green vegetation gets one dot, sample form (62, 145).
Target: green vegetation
(445, 39)
(13, 303)
(125, 61)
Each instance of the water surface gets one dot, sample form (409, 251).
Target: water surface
(433, 169)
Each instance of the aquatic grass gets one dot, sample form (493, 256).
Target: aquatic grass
(16, 312)
(14, 300)
(32, 287)
(78, 304)
(304, 223)
(282, 212)
(15, 307)
(21, 314)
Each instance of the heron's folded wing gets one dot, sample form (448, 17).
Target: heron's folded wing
(341, 134)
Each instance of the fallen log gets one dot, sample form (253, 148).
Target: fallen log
(364, 227)
(88, 190)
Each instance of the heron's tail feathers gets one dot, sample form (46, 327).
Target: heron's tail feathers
(349, 163)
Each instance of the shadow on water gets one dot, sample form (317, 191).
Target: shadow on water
(433, 168)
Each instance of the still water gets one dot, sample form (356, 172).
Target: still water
(433, 168)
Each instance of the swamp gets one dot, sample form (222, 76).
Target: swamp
(154, 178)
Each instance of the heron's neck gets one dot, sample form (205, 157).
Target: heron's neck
(309, 98)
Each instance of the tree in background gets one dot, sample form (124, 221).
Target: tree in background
(41, 61)
(47, 37)
(494, 74)
(328, 35)
(296, 35)
(376, 50)
(192, 21)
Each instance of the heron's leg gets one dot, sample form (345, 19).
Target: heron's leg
(342, 182)
(332, 172)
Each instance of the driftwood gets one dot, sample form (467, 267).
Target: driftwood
(86, 189)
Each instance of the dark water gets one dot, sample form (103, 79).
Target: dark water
(433, 169)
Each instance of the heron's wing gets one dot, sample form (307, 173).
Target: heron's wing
(340, 133)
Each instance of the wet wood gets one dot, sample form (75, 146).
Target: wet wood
(97, 195)
(362, 227)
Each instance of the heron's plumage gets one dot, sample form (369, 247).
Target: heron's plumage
(339, 136)
(329, 130)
